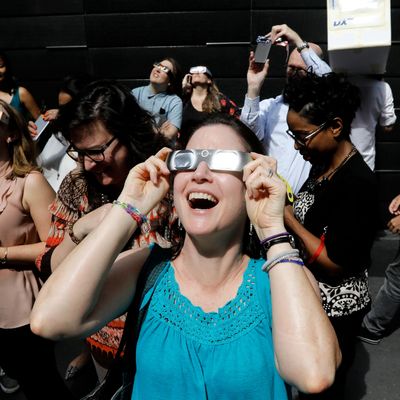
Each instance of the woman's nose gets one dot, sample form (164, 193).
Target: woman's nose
(89, 164)
(202, 172)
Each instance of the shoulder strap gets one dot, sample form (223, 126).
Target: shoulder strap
(151, 270)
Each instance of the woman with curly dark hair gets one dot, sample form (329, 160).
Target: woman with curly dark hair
(334, 214)
(109, 133)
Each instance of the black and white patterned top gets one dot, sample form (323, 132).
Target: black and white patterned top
(345, 208)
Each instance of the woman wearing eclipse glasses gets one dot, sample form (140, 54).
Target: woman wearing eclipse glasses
(201, 97)
(221, 321)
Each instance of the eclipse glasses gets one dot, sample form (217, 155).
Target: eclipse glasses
(200, 69)
(217, 160)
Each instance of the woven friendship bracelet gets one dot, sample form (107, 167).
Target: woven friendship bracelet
(294, 260)
(285, 254)
(132, 211)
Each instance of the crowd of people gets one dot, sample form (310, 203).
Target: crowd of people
(257, 295)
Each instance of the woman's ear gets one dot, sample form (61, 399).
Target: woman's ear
(336, 127)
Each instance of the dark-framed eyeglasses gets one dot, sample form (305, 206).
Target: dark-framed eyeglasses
(96, 155)
(162, 68)
(302, 141)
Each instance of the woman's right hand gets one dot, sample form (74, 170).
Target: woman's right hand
(147, 183)
(187, 81)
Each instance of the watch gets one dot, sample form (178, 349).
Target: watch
(303, 46)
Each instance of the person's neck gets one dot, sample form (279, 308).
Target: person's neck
(210, 279)
(158, 88)
(344, 152)
(208, 263)
(200, 91)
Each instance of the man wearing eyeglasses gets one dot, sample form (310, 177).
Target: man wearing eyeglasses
(267, 118)
(160, 97)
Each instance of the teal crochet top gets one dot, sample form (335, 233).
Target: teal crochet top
(185, 353)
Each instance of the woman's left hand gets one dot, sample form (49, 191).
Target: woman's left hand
(265, 194)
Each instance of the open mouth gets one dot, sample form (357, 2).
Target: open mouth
(202, 201)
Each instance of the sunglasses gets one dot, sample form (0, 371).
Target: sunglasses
(200, 69)
(217, 160)
(162, 68)
(96, 155)
(302, 141)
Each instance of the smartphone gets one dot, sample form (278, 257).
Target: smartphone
(262, 51)
(41, 126)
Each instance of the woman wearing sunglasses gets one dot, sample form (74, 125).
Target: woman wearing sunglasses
(201, 97)
(334, 215)
(222, 322)
(161, 97)
(108, 134)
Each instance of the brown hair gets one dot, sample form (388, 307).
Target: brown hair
(21, 149)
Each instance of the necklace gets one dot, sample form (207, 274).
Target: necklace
(344, 161)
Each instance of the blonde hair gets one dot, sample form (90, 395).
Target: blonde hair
(21, 149)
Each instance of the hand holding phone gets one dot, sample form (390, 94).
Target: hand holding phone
(262, 50)
(41, 125)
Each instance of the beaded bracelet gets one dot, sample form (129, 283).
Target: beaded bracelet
(132, 211)
(285, 254)
(3, 260)
(294, 260)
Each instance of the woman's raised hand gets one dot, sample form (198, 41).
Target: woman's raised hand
(265, 193)
(147, 183)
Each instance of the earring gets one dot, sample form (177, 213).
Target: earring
(251, 230)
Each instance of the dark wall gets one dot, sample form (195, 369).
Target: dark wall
(47, 39)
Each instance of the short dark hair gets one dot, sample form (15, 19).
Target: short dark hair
(323, 98)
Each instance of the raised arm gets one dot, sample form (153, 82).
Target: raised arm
(250, 114)
(306, 349)
(89, 288)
